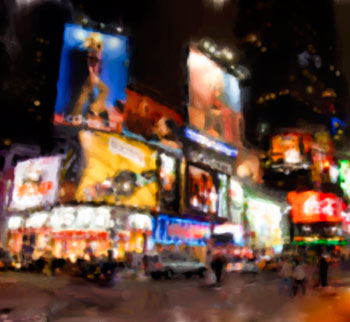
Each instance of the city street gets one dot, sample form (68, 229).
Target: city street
(29, 297)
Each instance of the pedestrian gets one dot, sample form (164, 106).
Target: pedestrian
(299, 278)
(286, 277)
(217, 265)
(323, 267)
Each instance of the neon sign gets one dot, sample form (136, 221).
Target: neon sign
(171, 230)
(195, 136)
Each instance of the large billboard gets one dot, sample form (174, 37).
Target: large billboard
(214, 100)
(265, 221)
(36, 183)
(151, 119)
(313, 206)
(118, 171)
(92, 79)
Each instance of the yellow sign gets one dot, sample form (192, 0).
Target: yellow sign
(119, 171)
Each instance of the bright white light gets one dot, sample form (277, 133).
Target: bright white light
(37, 220)
(15, 222)
(292, 156)
(216, 4)
(140, 221)
(206, 44)
(79, 34)
(119, 29)
(168, 163)
(229, 56)
(212, 49)
(113, 43)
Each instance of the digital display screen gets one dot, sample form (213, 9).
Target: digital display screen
(92, 79)
(214, 100)
(203, 192)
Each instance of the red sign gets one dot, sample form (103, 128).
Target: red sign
(312, 206)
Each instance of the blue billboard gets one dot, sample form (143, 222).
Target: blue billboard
(92, 79)
(173, 230)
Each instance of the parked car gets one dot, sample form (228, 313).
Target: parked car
(169, 265)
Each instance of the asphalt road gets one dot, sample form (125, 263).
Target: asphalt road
(30, 297)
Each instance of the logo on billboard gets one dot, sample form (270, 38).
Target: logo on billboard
(127, 151)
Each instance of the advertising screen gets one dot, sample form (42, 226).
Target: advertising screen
(344, 176)
(236, 201)
(168, 182)
(223, 195)
(170, 230)
(214, 100)
(70, 169)
(312, 206)
(265, 220)
(152, 120)
(92, 79)
(290, 147)
(202, 191)
(119, 171)
(36, 183)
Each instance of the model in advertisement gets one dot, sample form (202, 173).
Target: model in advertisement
(92, 79)
(96, 106)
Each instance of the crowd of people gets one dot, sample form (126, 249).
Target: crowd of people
(294, 275)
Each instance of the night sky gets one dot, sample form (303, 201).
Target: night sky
(160, 33)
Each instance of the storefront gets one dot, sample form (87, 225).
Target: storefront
(76, 232)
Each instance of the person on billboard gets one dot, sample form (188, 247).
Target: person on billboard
(97, 110)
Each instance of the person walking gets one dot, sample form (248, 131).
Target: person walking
(299, 278)
(323, 267)
(217, 266)
(286, 277)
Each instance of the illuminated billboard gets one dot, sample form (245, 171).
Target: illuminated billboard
(92, 79)
(70, 170)
(344, 176)
(312, 206)
(236, 201)
(202, 191)
(119, 171)
(265, 221)
(152, 120)
(168, 177)
(290, 147)
(214, 100)
(172, 230)
(35, 183)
